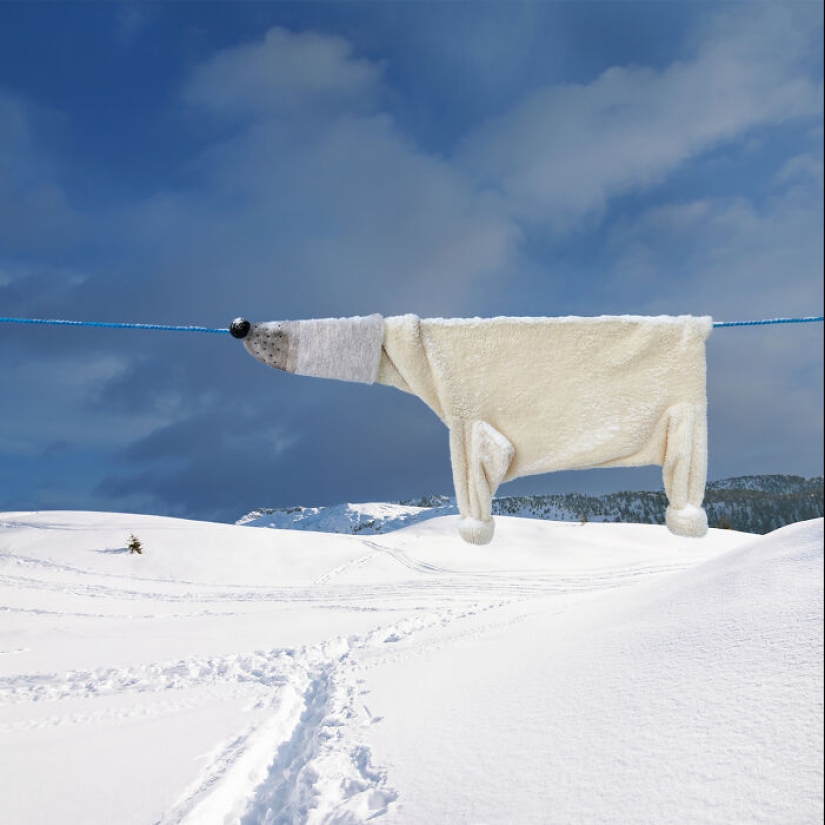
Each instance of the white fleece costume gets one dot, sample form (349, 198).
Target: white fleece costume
(522, 396)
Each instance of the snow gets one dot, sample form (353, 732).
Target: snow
(564, 673)
(366, 518)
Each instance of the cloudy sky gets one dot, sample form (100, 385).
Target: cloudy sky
(186, 163)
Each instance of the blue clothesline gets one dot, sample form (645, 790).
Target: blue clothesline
(111, 325)
(225, 331)
(808, 320)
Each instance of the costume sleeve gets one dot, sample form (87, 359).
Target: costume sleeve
(347, 349)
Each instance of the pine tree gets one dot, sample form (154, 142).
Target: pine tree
(134, 544)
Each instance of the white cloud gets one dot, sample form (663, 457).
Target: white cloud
(352, 219)
(317, 193)
(329, 210)
(269, 441)
(50, 401)
(35, 215)
(14, 130)
(132, 20)
(563, 152)
(804, 169)
(284, 74)
(734, 260)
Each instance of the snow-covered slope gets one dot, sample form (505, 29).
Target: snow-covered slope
(568, 672)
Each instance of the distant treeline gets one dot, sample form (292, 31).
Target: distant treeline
(751, 504)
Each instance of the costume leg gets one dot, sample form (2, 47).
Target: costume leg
(480, 456)
(685, 469)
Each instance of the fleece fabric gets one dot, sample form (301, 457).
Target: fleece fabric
(347, 349)
(522, 396)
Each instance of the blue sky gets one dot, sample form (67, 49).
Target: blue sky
(187, 163)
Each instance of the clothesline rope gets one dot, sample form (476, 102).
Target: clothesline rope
(111, 325)
(225, 331)
(808, 320)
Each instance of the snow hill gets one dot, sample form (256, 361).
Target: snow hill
(752, 504)
(567, 672)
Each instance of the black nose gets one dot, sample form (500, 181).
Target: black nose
(239, 328)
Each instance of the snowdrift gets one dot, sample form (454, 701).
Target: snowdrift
(567, 673)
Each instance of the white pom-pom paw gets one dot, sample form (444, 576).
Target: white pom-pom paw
(690, 521)
(476, 531)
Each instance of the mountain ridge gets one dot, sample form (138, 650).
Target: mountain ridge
(751, 504)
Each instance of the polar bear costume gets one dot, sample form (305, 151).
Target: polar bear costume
(522, 396)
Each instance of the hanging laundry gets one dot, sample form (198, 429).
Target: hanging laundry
(522, 396)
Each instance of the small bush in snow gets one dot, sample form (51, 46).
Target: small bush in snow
(134, 544)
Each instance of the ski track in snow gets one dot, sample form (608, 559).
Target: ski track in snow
(305, 757)
(448, 585)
